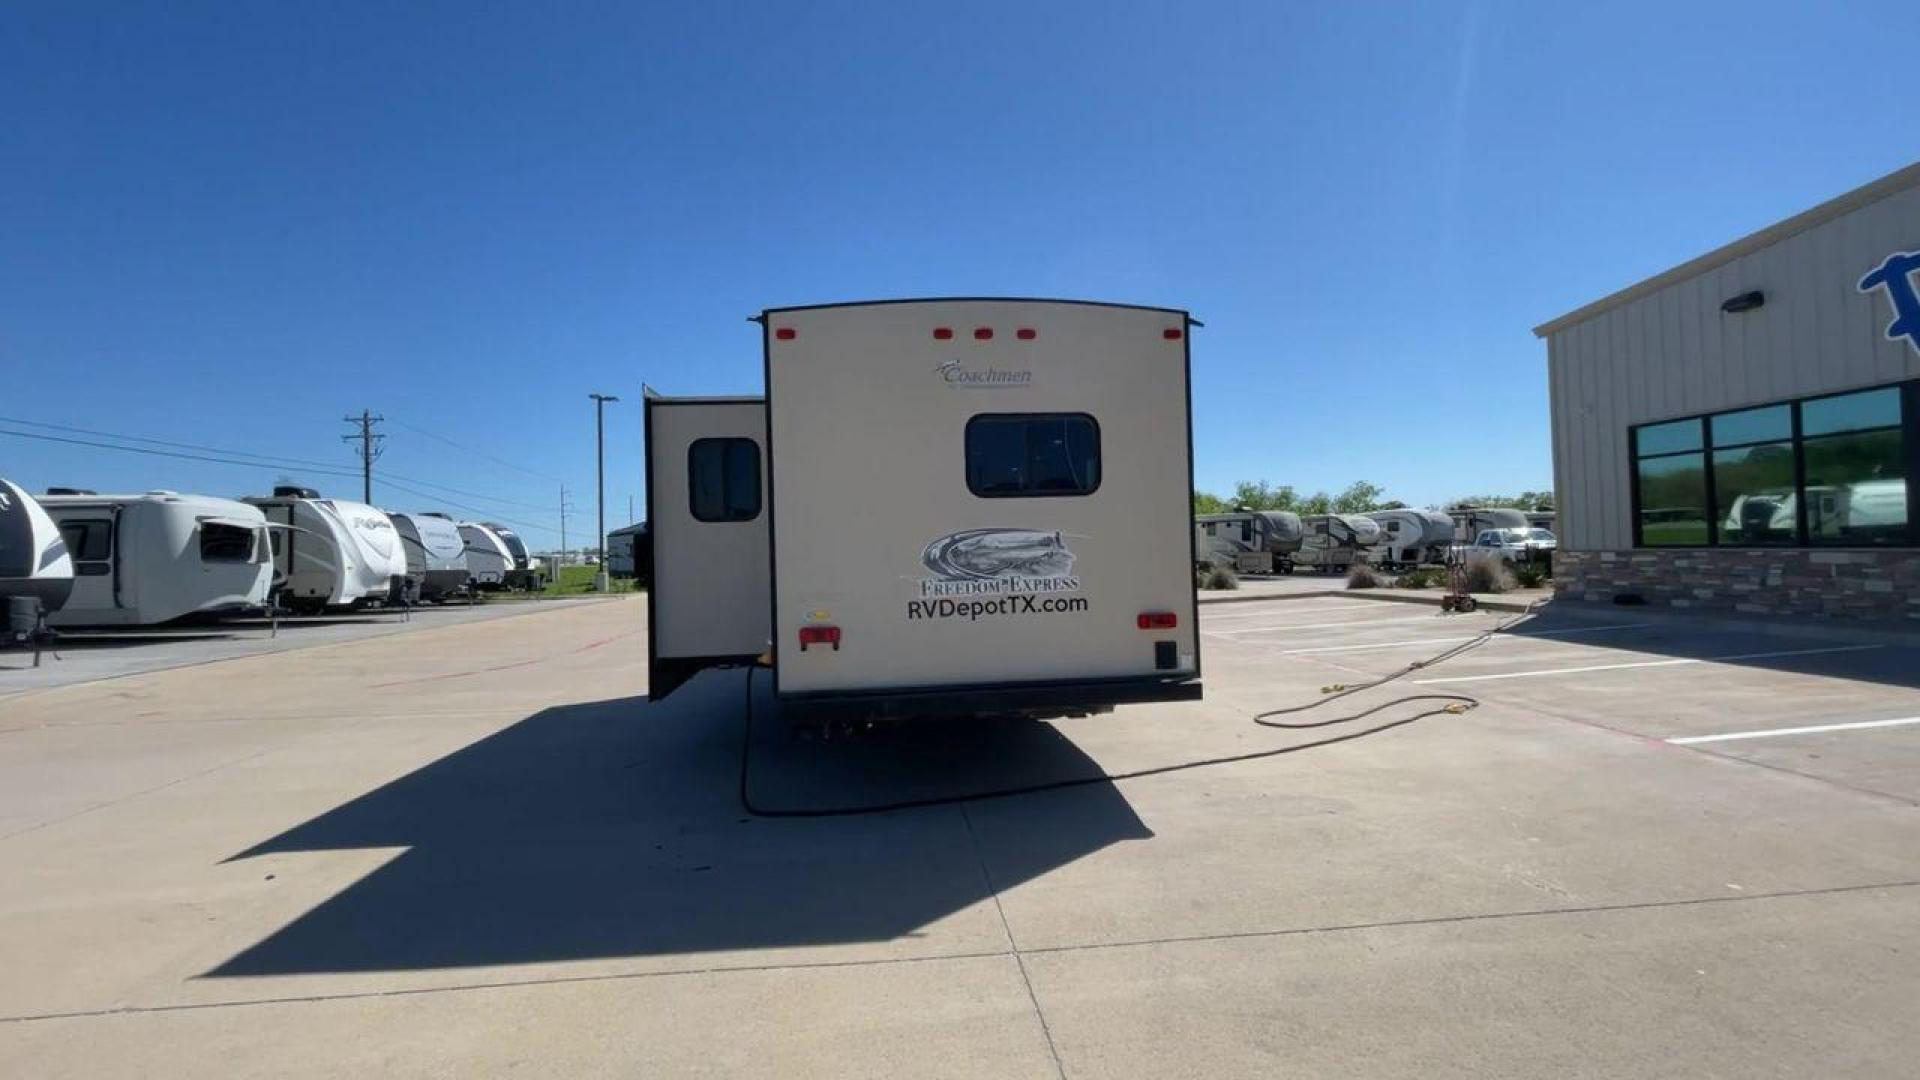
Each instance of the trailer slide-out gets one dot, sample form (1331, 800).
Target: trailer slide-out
(941, 507)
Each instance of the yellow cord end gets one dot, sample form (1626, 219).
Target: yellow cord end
(1458, 709)
(1333, 689)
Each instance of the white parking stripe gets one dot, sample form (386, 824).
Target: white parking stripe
(1286, 627)
(1207, 616)
(1814, 730)
(1456, 640)
(1645, 664)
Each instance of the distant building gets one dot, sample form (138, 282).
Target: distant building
(1743, 432)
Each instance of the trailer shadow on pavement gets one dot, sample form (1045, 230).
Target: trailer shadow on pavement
(614, 829)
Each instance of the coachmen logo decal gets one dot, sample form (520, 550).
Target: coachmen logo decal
(986, 572)
(961, 377)
(1896, 276)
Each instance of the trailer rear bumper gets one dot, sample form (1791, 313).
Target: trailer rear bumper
(1040, 701)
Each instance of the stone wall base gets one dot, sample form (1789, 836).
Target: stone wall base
(1851, 584)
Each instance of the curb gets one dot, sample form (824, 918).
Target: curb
(1431, 599)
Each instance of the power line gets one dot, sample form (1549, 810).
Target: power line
(164, 453)
(324, 471)
(477, 453)
(274, 460)
(471, 509)
(470, 494)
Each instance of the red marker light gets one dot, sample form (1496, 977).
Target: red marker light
(1171, 333)
(786, 333)
(983, 333)
(1025, 333)
(1157, 620)
(819, 635)
(943, 333)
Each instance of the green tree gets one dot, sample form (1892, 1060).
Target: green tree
(1206, 502)
(1358, 498)
(1264, 496)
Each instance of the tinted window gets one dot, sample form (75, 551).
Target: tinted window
(1673, 500)
(1754, 489)
(88, 541)
(1851, 412)
(1013, 455)
(1750, 426)
(1669, 438)
(225, 543)
(1856, 489)
(723, 479)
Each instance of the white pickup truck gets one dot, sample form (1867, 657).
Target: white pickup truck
(1511, 545)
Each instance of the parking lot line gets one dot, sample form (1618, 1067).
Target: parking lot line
(1814, 729)
(1456, 640)
(1208, 616)
(1645, 664)
(1285, 627)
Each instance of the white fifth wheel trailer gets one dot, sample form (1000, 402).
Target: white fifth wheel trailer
(941, 507)
(1410, 538)
(1253, 541)
(330, 553)
(139, 560)
(1334, 542)
(34, 563)
(489, 560)
(436, 553)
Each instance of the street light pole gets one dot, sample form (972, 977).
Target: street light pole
(601, 584)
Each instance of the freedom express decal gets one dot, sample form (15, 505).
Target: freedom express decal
(986, 573)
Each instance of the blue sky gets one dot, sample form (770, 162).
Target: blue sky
(233, 225)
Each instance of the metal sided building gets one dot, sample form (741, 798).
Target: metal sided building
(1743, 432)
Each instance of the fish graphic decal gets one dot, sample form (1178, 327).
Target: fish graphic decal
(992, 554)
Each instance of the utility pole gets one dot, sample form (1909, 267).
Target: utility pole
(369, 449)
(629, 509)
(600, 459)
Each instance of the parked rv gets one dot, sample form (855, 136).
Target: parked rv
(139, 560)
(1542, 519)
(36, 571)
(436, 554)
(527, 572)
(1332, 543)
(1410, 538)
(1034, 562)
(489, 560)
(630, 552)
(1470, 521)
(330, 553)
(1252, 541)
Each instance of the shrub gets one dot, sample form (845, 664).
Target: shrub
(1423, 578)
(1530, 575)
(1221, 577)
(1488, 576)
(1363, 576)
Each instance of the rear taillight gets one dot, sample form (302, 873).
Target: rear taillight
(785, 333)
(943, 333)
(983, 333)
(1172, 333)
(819, 635)
(1026, 333)
(1157, 620)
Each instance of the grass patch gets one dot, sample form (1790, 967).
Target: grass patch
(1424, 578)
(1488, 576)
(578, 581)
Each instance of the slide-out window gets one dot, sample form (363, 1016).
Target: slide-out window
(1015, 455)
(723, 479)
(225, 543)
(90, 542)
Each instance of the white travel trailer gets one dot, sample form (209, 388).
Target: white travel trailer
(489, 560)
(630, 552)
(1410, 538)
(34, 565)
(1334, 542)
(1032, 552)
(436, 554)
(526, 572)
(1252, 541)
(139, 560)
(329, 553)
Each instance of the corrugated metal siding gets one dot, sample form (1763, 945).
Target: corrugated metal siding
(1672, 353)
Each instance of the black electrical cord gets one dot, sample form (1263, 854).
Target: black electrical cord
(1455, 704)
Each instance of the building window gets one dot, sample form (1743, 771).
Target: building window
(723, 479)
(1831, 470)
(1013, 455)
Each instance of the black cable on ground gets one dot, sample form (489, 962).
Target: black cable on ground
(1456, 704)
